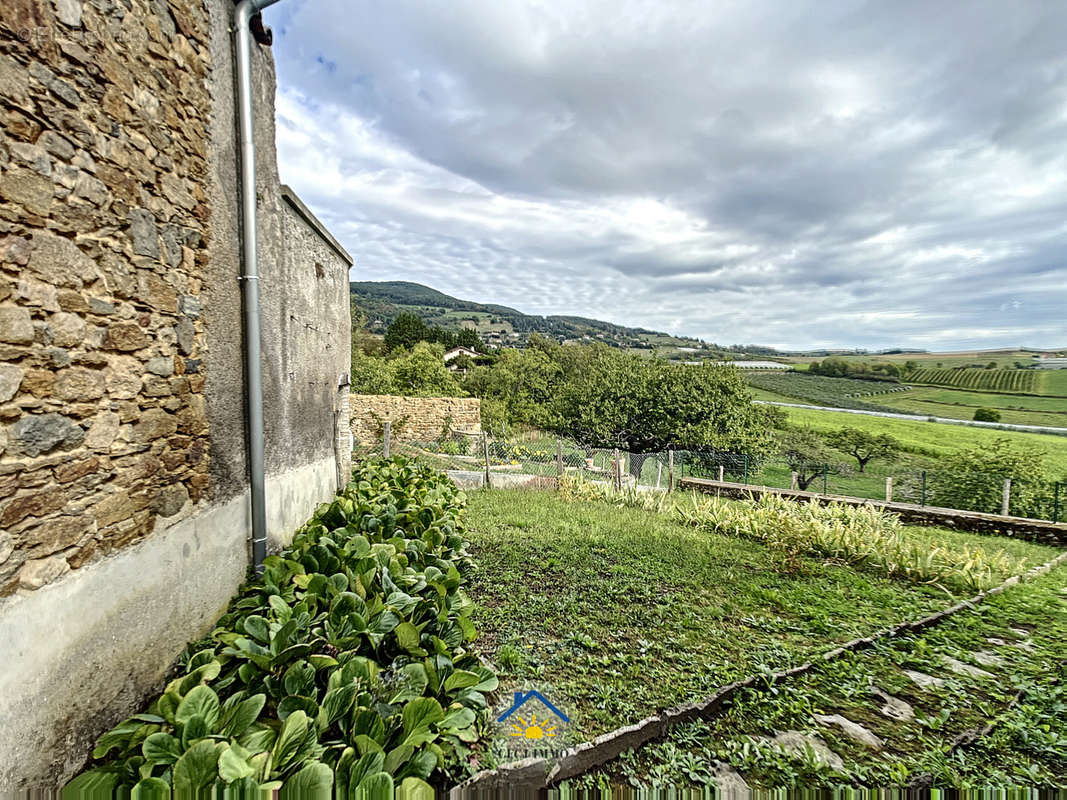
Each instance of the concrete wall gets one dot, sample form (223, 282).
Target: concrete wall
(123, 484)
(414, 419)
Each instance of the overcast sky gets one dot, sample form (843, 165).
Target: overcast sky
(797, 174)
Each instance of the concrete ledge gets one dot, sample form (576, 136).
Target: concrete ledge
(85, 652)
(1035, 530)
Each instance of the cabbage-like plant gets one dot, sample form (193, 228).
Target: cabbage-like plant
(343, 669)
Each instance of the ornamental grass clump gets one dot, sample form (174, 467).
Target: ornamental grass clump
(864, 537)
(343, 671)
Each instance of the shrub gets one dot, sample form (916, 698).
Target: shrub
(986, 415)
(973, 479)
(343, 666)
(861, 536)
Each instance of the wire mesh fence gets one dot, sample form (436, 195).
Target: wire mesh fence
(538, 461)
(985, 492)
(534, 461)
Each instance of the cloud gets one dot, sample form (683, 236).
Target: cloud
(833, 173)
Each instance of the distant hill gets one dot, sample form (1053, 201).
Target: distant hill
(381, 301)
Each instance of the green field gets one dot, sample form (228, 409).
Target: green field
(1002, 358)
(1023, 630)
(935, 401)
(1014, 409)
(932, 438)
(1052, 382)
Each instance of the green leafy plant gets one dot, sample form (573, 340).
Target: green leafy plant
(861, 536)
(344, 666)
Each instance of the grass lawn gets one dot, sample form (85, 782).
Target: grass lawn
(615, 613)
(933, 438)
(1015, 638)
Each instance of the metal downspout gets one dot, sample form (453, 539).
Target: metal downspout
(242, 16)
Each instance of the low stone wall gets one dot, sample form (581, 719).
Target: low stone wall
(414, 419)
(1030, 529)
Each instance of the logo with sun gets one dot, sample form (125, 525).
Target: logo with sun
(531, 725)
(534, 729)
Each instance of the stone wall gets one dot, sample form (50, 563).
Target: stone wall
(413, 419)
(1053, 534)
(124, 517)
(103, 244)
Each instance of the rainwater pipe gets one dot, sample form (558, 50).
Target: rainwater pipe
(242, 19)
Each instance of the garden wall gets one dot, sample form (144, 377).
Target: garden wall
(413, 419)
(1049, 533)
(124, 519)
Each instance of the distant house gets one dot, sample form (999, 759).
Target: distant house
(455, 353)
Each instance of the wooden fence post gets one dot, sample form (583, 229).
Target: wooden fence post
(617, 477)
(659, 471)
(795, 481)
(1005, 501)
(670, 470)
(722, 473)
(559, 458)
(889, 490)
(387, 435)
(485, 451)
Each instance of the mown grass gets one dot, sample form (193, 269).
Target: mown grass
(617, 613)
(1024, 627)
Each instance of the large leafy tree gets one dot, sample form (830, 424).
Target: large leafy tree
(421, 372)
(864, 446)
(518, 386)
(615, 399)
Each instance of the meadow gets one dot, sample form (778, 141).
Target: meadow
(933, 438)
(955, 404)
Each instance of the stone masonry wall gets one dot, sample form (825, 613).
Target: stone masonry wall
(103, 245)
(425, 416)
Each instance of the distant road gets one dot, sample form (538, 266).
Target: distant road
(1001, 426)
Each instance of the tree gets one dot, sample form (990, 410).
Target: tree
(521, 382)
(421, 372)
(805, 452)
(615, 399)
(405, 331)
(864, 446)
(991, 365)
(467, 337)
(986, 415)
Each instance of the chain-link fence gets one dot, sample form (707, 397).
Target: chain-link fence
(986, 492)
(478, 459)
(537, 461)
